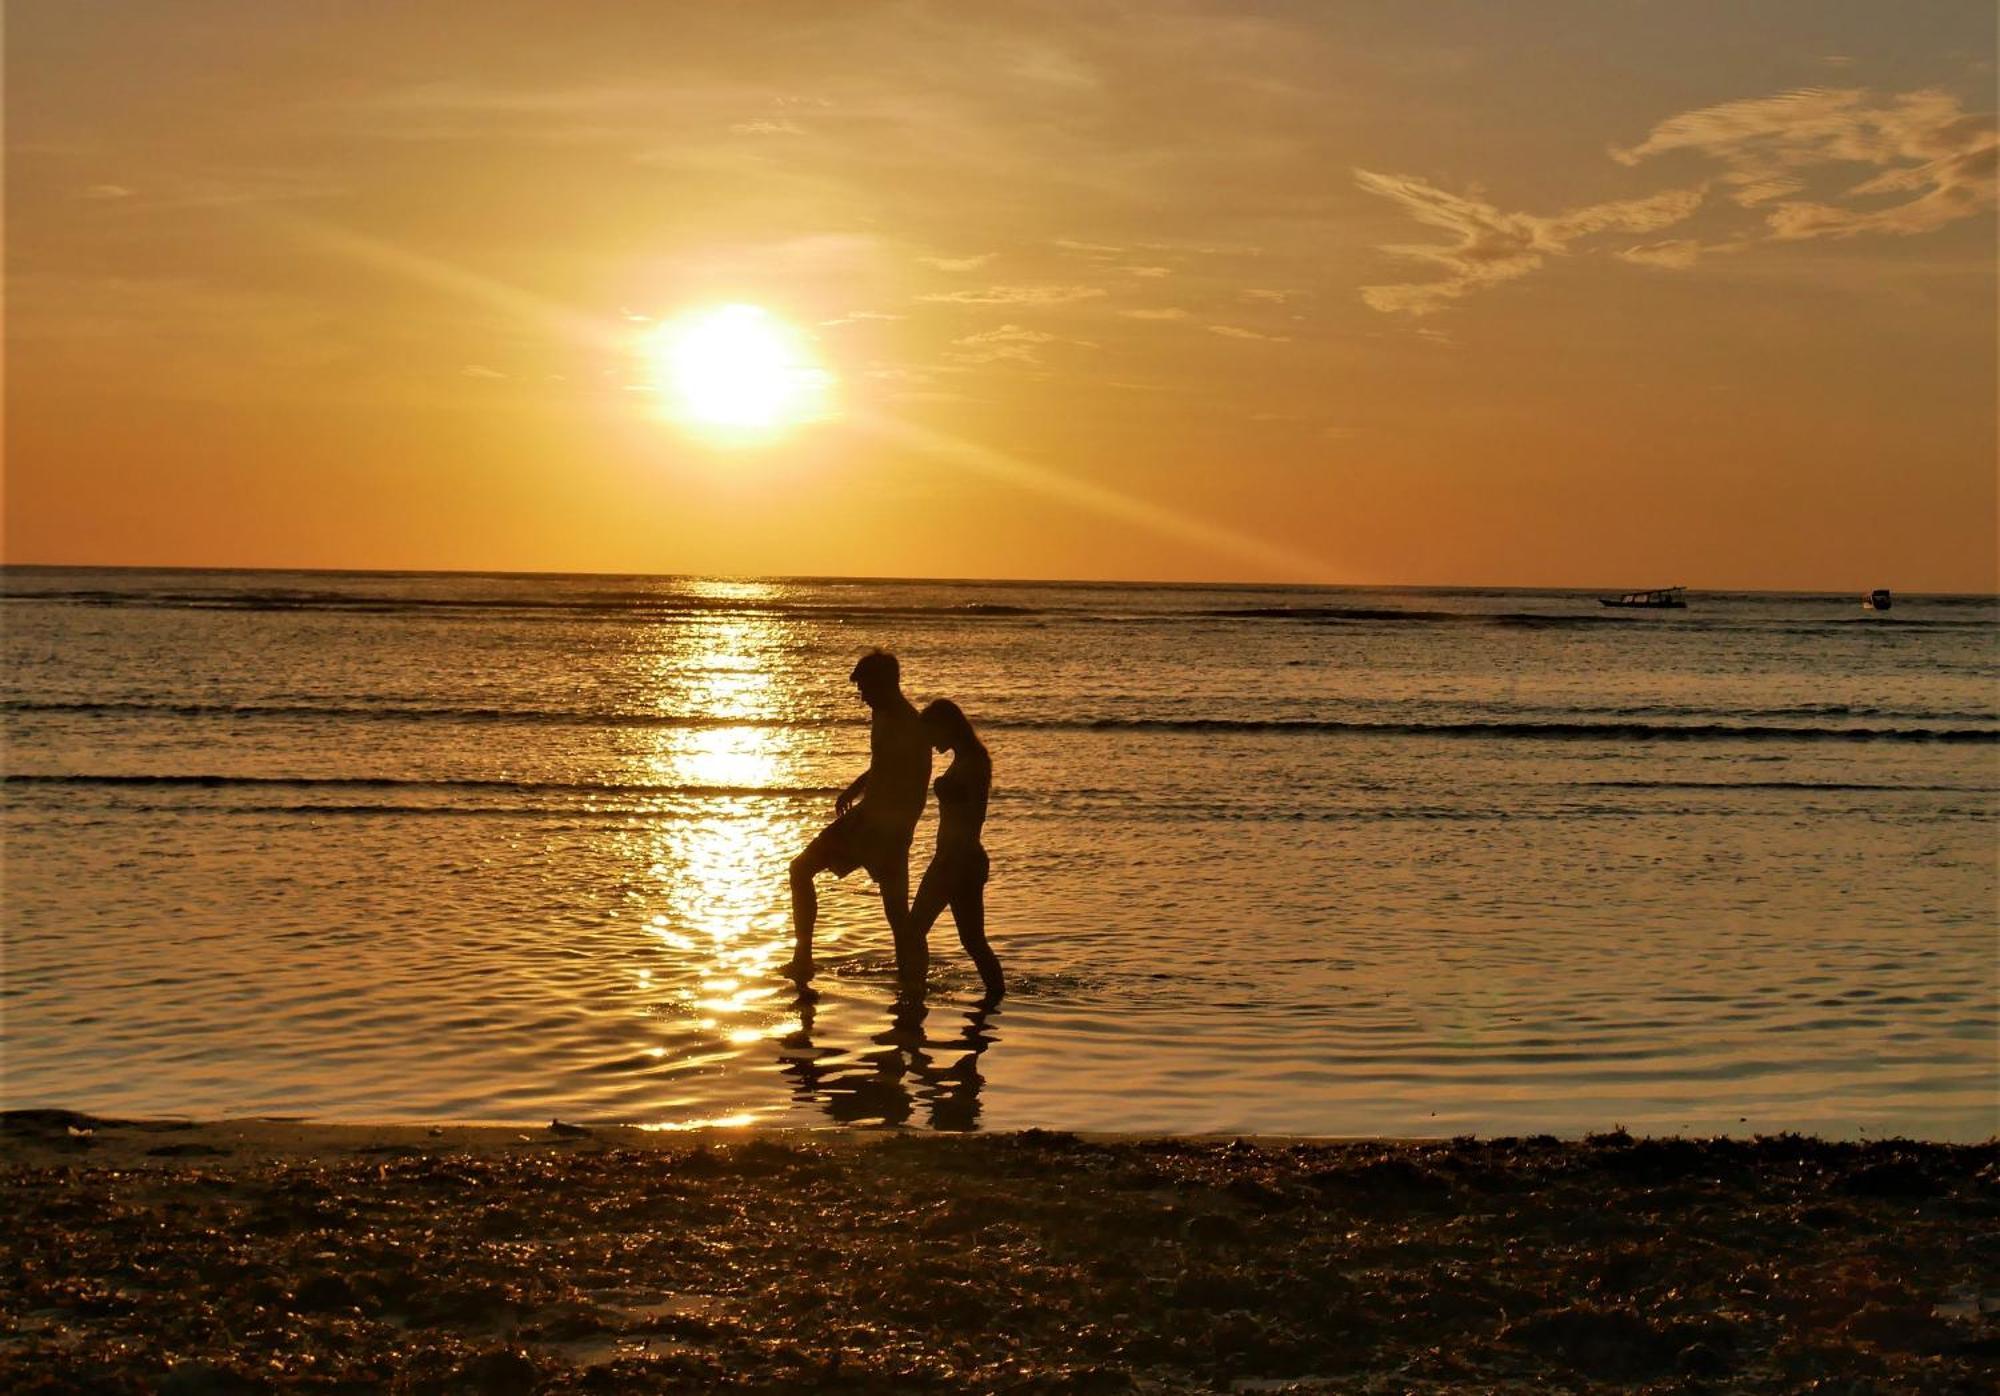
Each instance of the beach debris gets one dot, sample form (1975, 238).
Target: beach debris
(499, 1372)
(324, 1292)
(564, 1130)
(1213, 1229)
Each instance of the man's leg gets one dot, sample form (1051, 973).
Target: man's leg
(912, 959)
(805, 910)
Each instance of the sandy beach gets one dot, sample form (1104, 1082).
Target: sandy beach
(258, 1255)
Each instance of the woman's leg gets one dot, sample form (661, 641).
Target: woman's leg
(968, 910)
(933, 895)
(913, 940)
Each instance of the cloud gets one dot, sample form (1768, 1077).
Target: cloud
(902, 373)
(1017, 295)
(1009, 343)
(957, 263)
(105, 191)
(931, 395)
(1489, 246)
(1238, 332)
(853, 316)
(1925, 144)
(767, 128)
(1273, 295)
(1098, 250)
(1167, 312)
(1929, 163)
(1148, 273)
(481, 371)
(1676, 253)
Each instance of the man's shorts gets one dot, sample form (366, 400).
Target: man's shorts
(859, 840)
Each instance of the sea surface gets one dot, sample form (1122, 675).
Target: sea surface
(1309, 861)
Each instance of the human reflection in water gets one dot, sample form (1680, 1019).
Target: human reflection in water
(905, 1070)
(957, 875)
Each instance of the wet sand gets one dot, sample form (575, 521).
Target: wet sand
(264, 1255)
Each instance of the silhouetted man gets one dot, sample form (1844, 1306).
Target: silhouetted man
(874, 818)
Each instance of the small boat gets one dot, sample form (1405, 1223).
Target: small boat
(1877, 600)
(1658, 599)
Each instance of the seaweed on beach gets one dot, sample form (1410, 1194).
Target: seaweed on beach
(1034, 1262)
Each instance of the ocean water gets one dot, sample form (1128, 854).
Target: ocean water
(421, 847)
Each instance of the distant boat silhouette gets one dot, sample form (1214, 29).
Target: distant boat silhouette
(1877, 600)
(1658, 599)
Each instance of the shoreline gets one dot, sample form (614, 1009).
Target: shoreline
(38, 1136)
(252, 1255)
(45, 1135)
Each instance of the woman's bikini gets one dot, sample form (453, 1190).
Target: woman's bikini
(955, 810)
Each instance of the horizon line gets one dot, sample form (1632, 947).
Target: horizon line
(8, 566)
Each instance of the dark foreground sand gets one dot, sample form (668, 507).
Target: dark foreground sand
(250, 1256)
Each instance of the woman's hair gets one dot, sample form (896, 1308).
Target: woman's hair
(945, 714)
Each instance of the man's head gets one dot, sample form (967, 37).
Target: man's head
(878, 676)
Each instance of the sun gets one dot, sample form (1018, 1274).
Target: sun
(737, 373)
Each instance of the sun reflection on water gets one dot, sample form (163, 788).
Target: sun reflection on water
(715, 894)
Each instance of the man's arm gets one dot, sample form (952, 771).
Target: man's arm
(845, 800)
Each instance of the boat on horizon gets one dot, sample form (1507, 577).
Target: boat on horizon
(1657, 599)
(1877, 600)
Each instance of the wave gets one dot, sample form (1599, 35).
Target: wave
(1546, 731)
(1558, 730)
(525, 787)
(1379, 615)
(1780, 785)
(1780, 710)
(398, 713)
(645, 606)
(1705, 622)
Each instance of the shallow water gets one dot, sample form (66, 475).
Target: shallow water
(1332, 862)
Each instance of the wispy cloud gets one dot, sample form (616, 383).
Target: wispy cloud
(1099, 250)
(1165, 312)
(1009, 343)
(1931, 164)
(1147, 273)
(957, 263)
(1017, 295)
(1675, 253)
(1238, 332)
(902, 373)
(853, 316)
(767, 128)
(1489, 245)
(1275, 295)
(1925, 144)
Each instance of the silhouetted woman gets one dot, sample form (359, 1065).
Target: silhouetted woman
(956, 877)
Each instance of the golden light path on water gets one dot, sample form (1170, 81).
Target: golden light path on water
(711, 875)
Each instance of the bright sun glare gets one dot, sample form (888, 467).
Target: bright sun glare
(737, 372)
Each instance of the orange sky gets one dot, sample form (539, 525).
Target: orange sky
(1584, 294)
